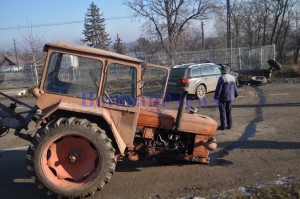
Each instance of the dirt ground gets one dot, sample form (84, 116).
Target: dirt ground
(262, 150)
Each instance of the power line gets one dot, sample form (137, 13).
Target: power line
(56, 24)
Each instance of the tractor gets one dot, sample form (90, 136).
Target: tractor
(94, 108)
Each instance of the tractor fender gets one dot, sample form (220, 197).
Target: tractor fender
(90, 111)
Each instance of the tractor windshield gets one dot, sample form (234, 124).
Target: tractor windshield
(73, 75)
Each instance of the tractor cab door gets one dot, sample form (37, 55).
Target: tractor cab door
(153, 86)
(119, 97)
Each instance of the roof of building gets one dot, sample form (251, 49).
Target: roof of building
(11, 59)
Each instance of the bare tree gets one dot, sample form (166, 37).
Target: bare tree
(296, 37)
(166, 19)
(144, 47)
(261, 22)
(237, 16)
(32, 44)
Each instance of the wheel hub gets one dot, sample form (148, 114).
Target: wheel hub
(73, 157)
(71, 161)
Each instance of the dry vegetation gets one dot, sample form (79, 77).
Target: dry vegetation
(292, 71)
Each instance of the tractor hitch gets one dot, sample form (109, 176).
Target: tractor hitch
(10, 119)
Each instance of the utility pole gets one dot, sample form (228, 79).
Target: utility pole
(16, 53)
(229, 44)
(298, 38)
(202, 32)
(228, 25)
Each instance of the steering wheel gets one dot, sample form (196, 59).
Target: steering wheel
(112, 96)
(108, 97)
(94, 78)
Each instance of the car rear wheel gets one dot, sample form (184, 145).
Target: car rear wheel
(201, 91)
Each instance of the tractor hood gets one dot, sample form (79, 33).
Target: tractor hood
(165, 119)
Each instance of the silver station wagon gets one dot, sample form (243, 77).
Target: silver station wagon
(196, 79)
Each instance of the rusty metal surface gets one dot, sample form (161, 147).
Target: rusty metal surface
(165, 119)
(149, 133)
(199, 149)
(16, 100)
(124, 119)
(90, 50)
(101, 112)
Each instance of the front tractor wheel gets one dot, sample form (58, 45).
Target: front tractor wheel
(71, 158)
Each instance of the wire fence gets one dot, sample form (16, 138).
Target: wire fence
(238, 58)
(19, 79)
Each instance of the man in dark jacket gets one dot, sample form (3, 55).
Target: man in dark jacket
(226, 92)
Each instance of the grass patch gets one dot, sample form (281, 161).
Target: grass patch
(288, 191)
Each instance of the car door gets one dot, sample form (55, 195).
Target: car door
(215, 76)
(195, 79)
(208, 76)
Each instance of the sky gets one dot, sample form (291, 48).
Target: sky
(69, 14)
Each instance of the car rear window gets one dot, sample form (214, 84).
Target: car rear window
(178, 72)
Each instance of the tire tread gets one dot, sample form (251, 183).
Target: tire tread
(72, 122)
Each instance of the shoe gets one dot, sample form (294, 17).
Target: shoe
(229, 128)
(221, 128)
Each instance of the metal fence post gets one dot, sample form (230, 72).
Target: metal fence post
(261, 58)
(239, 57)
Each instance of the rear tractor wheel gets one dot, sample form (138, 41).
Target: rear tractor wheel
(71, 158)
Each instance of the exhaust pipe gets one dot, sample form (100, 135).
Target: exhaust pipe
(180, 111)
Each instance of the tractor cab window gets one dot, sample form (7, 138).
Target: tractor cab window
(120, 85)
(154, 81)
(73, 75)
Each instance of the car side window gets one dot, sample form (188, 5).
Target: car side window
(195, 72)
(216, 69)
(207, 70)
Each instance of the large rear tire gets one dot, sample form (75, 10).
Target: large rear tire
(71, 158)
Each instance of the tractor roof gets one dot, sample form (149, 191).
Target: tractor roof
(87, 49)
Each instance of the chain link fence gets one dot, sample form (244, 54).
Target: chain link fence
(238, 58)
(23, 78)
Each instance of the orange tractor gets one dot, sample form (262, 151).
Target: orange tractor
(95, 107)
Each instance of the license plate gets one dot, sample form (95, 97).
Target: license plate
(172, 83)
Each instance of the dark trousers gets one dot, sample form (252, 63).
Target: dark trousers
(225, 113)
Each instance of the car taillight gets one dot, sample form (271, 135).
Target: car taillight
(184, 80)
